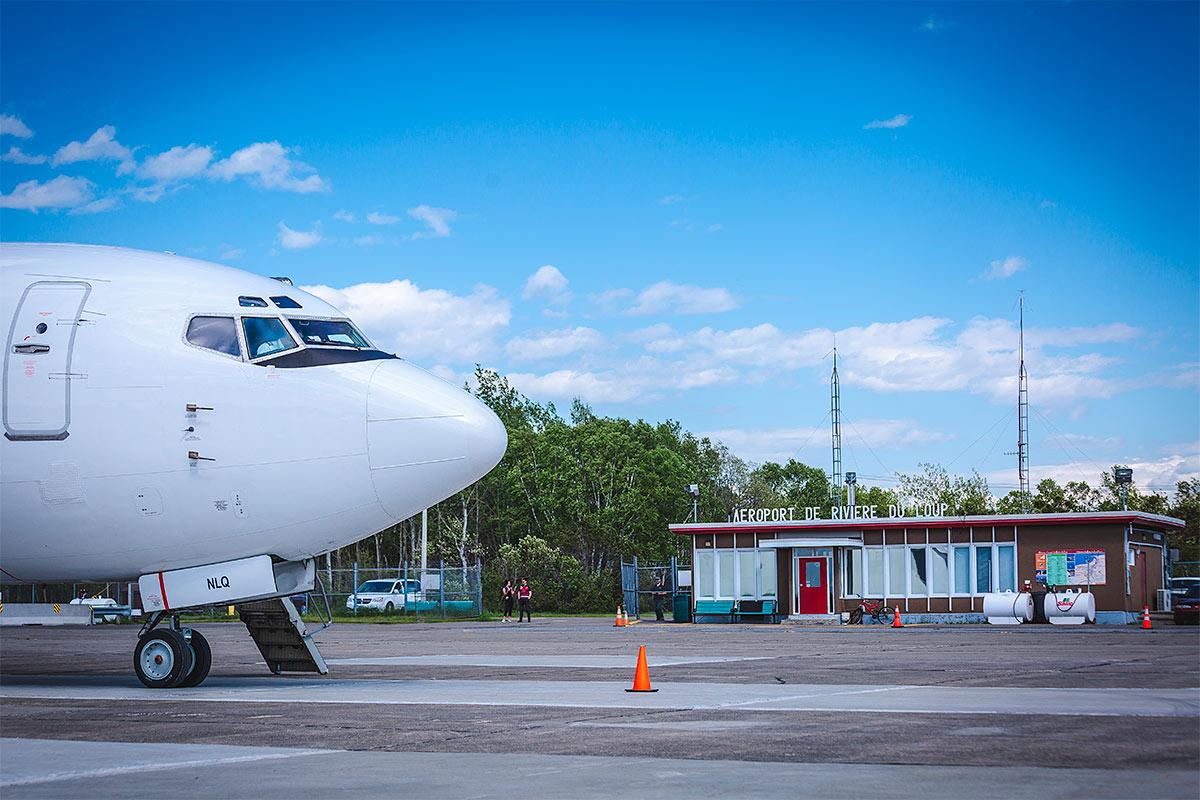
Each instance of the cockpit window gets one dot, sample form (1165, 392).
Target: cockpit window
(215, 333)
(283, 301)
(329, 332)
(266, 336)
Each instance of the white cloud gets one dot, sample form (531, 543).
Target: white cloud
(671, 199)
(298, 240)
(666, 297)
(424, 323)
(554, 344)
(344, 216)
(16, 155)
(918, 355)
(13, 126)
(1047, 203)
(100, 146)
(268, 165)
(898, 121)
(368, 241)
(642, 379)
(436, 219)
(1156, 474)
(97, 206)
(60, 192)
(780, 444)
(178, 163)
(716, 226)
(230, 253)
(376, 218)
(1005, 268)
(683, 224)
(547, 283)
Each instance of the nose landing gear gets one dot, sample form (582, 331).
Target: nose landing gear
(170, 657)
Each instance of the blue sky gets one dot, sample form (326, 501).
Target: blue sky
(673, 210)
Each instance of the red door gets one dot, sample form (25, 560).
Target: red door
(812, 584)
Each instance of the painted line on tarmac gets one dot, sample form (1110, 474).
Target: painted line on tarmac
(104, 772)
(566, 662)
(608, 694)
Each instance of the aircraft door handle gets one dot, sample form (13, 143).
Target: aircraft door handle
(192, 408)
(195, 456)
(31, 349)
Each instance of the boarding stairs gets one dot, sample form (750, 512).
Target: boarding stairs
(282, 637)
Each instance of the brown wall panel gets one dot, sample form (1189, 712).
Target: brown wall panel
(745, 540)
(725, 540)
(783, 578)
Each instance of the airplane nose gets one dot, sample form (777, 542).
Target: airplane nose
(426, 439)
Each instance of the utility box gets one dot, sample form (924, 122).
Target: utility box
(681, 608)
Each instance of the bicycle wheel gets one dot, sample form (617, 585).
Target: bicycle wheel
(884, 615)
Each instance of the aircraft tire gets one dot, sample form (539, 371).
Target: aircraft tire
(201, 661)
(162, 658)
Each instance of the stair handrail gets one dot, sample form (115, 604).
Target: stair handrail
(327, 619)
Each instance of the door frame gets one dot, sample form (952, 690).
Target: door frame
(828, 562)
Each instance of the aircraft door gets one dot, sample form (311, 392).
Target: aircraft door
(37, 360)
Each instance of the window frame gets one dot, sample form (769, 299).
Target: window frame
(237, 325)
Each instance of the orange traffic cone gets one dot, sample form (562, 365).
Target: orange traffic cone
(1146, 618)
(620, 623)
(641, 678)
(896, 623)
(627, 623)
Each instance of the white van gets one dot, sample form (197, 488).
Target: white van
(387, 595)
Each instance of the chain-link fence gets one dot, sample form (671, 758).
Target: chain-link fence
(437, 592)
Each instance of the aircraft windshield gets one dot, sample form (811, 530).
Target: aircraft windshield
(328, 332)
(266, 336)
(376, 587)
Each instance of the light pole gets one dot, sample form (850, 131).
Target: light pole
(694, 491)
(851, 482)
(1123, 477)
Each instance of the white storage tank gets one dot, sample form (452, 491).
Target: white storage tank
(1070, 608)
(1008, 608)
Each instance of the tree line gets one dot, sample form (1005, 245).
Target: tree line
(576, 494)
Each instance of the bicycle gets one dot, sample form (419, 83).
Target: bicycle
(874, 609)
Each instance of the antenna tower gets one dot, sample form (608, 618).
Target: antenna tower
(835, 414)
(1023, 415)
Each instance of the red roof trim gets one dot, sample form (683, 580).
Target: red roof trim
(1151, 520)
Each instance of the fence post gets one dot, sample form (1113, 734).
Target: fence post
(478, 587)
(356, 588)
(442, 587)
(404, 577)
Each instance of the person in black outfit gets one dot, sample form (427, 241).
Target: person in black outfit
(509, 594)
(524, 597)
(660, 592)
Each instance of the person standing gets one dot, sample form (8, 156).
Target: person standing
(525, 598)
(508, 593)
(660, 592)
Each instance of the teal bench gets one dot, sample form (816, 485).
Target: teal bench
(714, 608)
(755, 608)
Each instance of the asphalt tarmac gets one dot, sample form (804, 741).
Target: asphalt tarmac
(492, 710)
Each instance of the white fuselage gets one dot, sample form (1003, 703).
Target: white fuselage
(104, 470)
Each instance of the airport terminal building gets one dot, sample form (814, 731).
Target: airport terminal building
(934, 568)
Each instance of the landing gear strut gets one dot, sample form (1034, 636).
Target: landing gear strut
(170, 657)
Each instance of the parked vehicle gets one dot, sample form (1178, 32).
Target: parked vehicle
(1187, 608)
(1179, 586)
(387, 595)
(99, 602)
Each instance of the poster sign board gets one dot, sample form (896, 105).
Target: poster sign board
(1070, 567)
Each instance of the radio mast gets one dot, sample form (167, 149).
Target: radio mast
(1023, 415)
(835, 413)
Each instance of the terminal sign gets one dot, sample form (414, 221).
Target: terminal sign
(794, 514)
